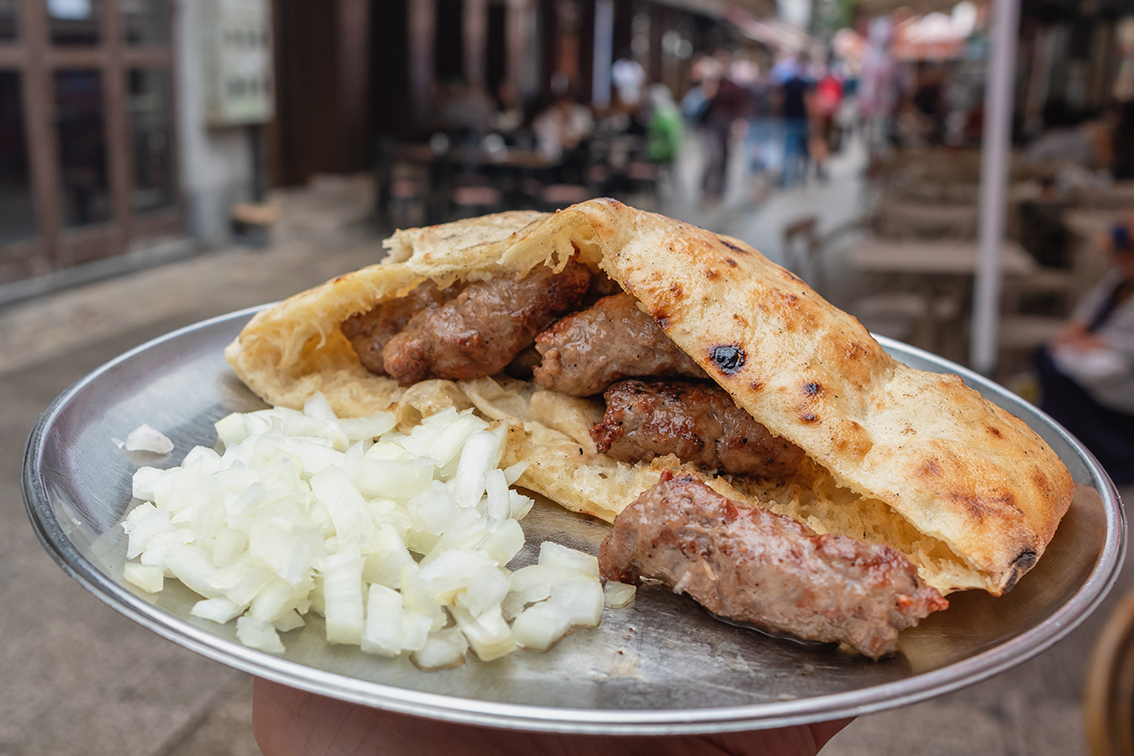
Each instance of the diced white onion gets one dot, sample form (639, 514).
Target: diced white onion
(476, 460)
(145, 438)
(513, 473)
(444, 648)
(342, 597)
(555, 554)
(275, 599)
(582, 600)
(290, 620)
(399, 540)
(618, 594)
(374, 426)
(539, 626)
(488, 634)
(148, 577)
(219, 610)
(383, 634)
(256, 634)
(319, 408)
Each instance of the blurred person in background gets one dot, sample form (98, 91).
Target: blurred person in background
(1070, 138)
(562, 127)
(1086, 373)
(827, 102)
(877, 90)
(665, 131)
(725, 108)
(467, 112)
(695, 103)
(795, 110)
(761, 111)
(509, 116)
(929, 103)
(629, 79)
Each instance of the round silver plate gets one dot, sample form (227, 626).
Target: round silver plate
(660, 665)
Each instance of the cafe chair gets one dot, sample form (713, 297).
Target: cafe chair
(644, 179)
(469, 200)
(805, 250)
(558, 196)
(802, 252)
(917, 317)
(1108, 700)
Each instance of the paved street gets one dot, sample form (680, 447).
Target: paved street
(81, 679)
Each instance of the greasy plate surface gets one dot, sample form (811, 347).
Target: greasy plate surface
(659, 665)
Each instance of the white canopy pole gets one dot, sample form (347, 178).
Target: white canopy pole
(998, 101)
(603, 53)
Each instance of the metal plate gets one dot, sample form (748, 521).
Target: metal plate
(660, 665)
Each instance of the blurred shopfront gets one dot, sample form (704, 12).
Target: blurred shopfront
(87, 143)
(127, 132)
(352, 71)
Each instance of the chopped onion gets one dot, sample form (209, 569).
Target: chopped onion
(539, 626)
(256, 634)
(319, 408)
(554, 554)
(618, 594)
(145, 438)
(342, 597)
(219, 610)
(383, 634)
(150, 578)
(399, 540)
(445, 648)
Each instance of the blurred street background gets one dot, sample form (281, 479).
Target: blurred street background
(164, 161)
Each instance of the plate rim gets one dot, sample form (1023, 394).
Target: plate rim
(950, 678)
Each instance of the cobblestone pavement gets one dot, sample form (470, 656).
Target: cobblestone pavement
(78, 678)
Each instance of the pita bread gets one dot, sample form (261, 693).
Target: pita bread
(912, 459)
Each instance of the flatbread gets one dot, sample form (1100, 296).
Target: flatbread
(913, 459)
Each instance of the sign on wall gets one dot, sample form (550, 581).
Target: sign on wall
(237, 51)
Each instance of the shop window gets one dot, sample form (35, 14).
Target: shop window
(75, 22)
(8, 21)
(151, 129)
(81, 131)
(17, 216)
(145, 22)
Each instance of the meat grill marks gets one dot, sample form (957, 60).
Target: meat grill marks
(370, 331)
(699, 423)
(480, 331)
(755, 566)
(587, 351)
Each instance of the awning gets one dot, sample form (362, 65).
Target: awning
(886, 7)
(929, 37)
(772, 32)
(723, 8)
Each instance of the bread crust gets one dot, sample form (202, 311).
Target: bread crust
(914, 459)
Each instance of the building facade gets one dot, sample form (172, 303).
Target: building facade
(129, 128)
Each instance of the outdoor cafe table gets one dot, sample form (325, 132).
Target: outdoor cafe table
(506, 169)
(936, 269)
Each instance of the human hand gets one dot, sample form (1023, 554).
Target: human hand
(290, 722)
(1075, 335)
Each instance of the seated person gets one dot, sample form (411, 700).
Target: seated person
(1086, 372)
(562, 127)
